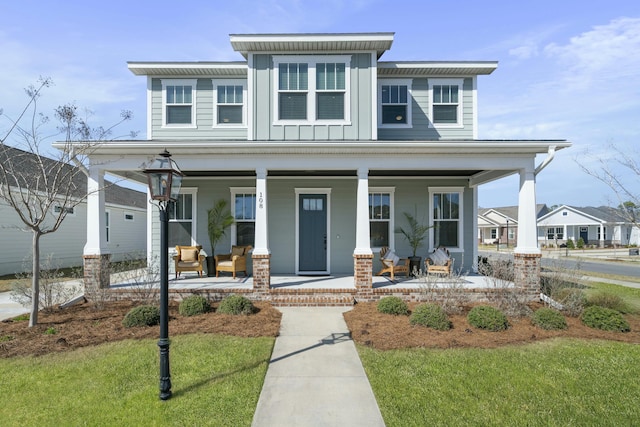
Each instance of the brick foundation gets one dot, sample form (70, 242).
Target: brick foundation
(261, 276)
(97, 273)
(527, 274)
(362, 277)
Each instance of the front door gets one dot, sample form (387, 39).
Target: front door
(312, 232)
(584, 234)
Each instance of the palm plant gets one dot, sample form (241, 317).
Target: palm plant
(416, 233)
(219, 220)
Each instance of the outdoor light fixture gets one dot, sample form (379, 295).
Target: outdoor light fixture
(165, 179)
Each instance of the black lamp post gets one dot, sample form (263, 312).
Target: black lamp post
(507, 233)
(165, 179)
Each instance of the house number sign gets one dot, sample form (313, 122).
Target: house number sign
(261, 201)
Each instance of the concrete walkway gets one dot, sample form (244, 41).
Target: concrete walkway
(315, 377)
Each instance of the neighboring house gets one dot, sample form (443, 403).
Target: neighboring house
(500, 225)
(320, 147)
(125, 218)
(597, 226)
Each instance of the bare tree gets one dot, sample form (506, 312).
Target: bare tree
(621, 173)
(43, 190)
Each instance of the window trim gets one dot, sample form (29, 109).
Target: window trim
(396, 82)
(391, 192)
(234, 192)
(107, 225)
(438, 190)
(179, 82)
(312, 91)
(447, 82)
(194, 213)
(229, 82)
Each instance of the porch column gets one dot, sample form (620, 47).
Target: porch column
(601, 228)
(261, 254)
(362, 255)
(527, 255)
(96, 255)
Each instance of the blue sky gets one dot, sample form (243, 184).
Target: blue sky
(567, 69)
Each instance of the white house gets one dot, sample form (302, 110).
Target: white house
(124, 222)
(320, 147)
(600, 226)
(500, 225)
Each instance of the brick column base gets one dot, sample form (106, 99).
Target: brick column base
(527, 274)
(97, 273)
(261, 275)
(362, 277)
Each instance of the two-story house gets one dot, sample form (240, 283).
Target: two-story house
(320, 147)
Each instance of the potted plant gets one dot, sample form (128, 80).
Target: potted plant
(219, 219)
(415, 235)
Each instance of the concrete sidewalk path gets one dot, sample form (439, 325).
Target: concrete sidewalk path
(315, 377)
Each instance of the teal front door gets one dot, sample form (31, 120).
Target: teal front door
(312, 232)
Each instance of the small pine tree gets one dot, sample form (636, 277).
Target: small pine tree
(570, 244)
(581, 243)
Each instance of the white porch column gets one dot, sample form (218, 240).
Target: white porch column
(363, 240)
(96, 222)
(601, 228)
(527, 227)
(261, 230)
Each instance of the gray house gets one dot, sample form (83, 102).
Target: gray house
(500, 225)
(319, 147)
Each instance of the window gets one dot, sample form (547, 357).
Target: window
(494, 233)
(244, 212)
(446, 217)
(312, 89)
(394, 109)
(67, 211)
(380, 217)
(128, 216)
(554, 233)
(107, 224)
(229, 106)
(181, 219)
(600, 229)
(446, 102)
(178, 103)
(511, 234)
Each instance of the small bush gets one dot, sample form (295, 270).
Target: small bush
(431, 316)
(489, 318)
(580, 244)
(605, 319)
(51, 331)
(572, 299)
(608, 300)
(549, 319)
(235, 304)
(570, 244)
(193, 305)
(143, 315)
(393, 305)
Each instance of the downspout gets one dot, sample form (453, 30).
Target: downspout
(77, 162)
(550, 154)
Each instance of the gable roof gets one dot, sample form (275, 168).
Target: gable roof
(510, 212)
(603, 214)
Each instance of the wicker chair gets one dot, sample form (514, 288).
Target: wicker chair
(189, 258)
(442, 267)
(234, 262)
(391, 265)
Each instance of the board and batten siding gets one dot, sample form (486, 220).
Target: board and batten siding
(204, 116)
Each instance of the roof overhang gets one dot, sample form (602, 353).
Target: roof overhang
(186, 69)
(436, 68)
(301, 43)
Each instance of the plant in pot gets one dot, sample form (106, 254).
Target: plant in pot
(415, 235)
(219, 219)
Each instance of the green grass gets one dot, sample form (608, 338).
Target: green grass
(631, 296)
(216, 381)
(552, 383)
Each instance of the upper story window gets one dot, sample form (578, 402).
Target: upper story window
(178, 103)
(229, 103)
(445, 102)
(312, 89)
(394, 108)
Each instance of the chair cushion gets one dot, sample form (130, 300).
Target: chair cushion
(391, 256)
(225, 264)
(237, 250)
(439, 257)
(189, 255)
(194, 264)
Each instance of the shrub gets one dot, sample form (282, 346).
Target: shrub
(608, 300)
(580, 243)
(549, 319)
(193, 305)
(235, 304)
(489, 318)
(143, 315)
(51, 331)
(570, 244)
(430, 315)
(393, 305)
(573, 300)
(605, 319)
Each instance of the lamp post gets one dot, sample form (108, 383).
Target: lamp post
(507, 234)
(165, 179)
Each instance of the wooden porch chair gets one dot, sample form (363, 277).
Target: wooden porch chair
(392, 264)
(439, 261)
(189, 258)
(234, 262)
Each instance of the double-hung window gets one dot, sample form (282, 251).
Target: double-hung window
(178, 103)
(312, 89)
(394, 108)
(229, 104)
(381, 216)
(182, 218)
(244, 212)
(446, 216)
(446, 102)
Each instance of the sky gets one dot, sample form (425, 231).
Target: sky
(567, 69)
